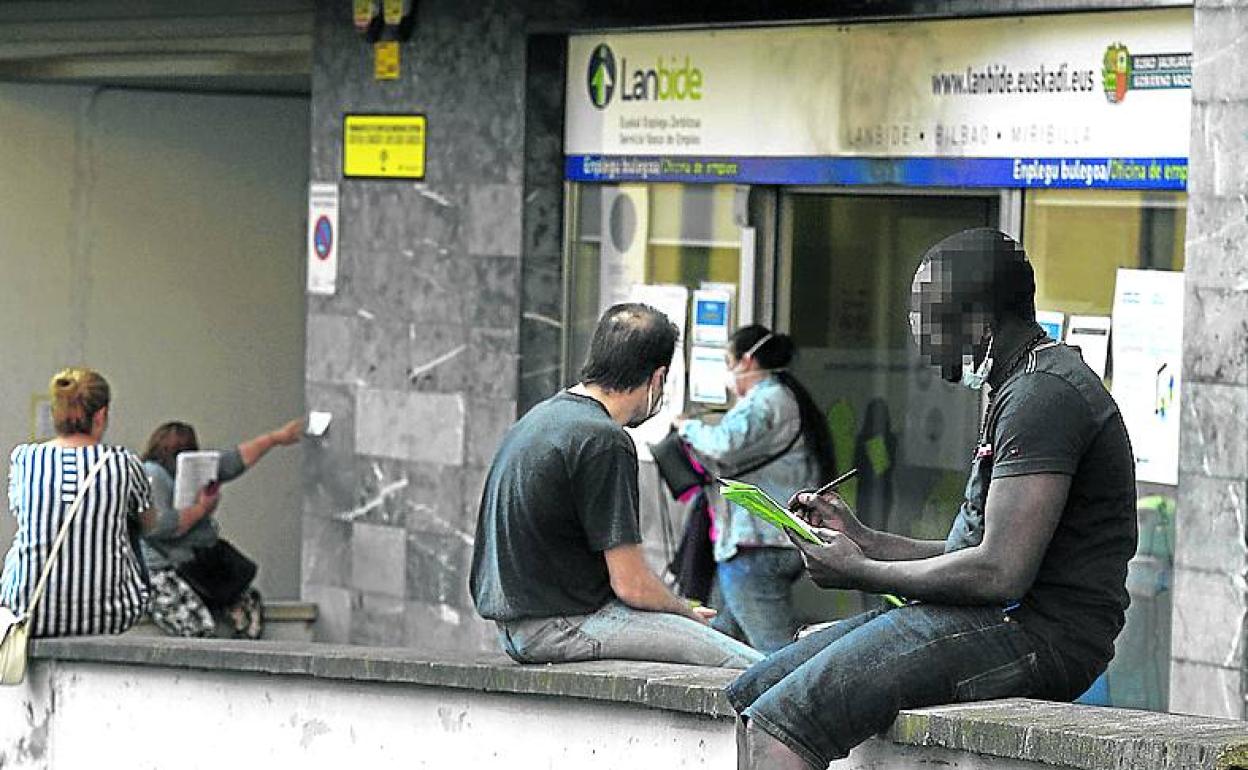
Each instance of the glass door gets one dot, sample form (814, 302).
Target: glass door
(846, 264)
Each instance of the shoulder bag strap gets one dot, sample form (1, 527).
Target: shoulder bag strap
(738, 473)
(64, 532)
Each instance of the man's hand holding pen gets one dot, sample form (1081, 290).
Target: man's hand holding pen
(830, 565)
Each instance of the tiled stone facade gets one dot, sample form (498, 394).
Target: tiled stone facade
(1211, 560)
(416, 355)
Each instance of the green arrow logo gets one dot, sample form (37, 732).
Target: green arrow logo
(601, 76)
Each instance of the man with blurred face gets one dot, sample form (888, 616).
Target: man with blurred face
(1026, 594)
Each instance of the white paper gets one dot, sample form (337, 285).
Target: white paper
(322, 238)
(1148, 356)
(672, 301)
(1090, 333)
(708, 372)
(318, 423)
(195, 471)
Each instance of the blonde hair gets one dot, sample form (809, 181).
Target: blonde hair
(77, 394)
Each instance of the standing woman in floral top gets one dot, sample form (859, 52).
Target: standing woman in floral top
(97, 583)
(777, 438)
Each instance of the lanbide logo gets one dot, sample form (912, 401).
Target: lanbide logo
(672, 80)
(600, 77)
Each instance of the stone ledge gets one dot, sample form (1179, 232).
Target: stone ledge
(665, 686)
(1057, 734)
(1084, 737)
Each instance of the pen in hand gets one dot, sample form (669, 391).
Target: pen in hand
(836, 482)
(826, 488)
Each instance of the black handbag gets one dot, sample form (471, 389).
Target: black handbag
(219, 573)
(680, 471)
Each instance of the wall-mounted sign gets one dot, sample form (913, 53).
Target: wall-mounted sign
(711, 311)
(386, 60)
(383, 146)
(1099, 100)
(322, 238)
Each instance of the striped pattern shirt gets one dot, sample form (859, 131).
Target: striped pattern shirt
(96, 585)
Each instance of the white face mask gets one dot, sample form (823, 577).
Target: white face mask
(653, 405)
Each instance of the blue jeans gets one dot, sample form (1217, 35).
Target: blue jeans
(826, 693)
(756, 591)
(620, 632)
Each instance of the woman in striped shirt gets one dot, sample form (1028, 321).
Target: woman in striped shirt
(97, 584)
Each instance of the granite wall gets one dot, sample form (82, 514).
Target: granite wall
(416, 353)
(1211, 560)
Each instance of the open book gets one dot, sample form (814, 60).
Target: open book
(195, 471)
(762, 505)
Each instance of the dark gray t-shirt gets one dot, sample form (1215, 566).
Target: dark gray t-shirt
(562, 489)
(1055, 416)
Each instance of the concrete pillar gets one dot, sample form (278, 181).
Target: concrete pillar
(1211, 560)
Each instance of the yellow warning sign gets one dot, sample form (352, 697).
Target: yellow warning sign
(383, 146)
(386, 60)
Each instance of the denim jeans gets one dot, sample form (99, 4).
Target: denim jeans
(755, 587)
(828, 692)
(618, 631)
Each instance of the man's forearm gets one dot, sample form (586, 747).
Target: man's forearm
(885, 546)
(962, 577)
(647, 592)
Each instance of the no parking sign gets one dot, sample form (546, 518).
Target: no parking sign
(322, 238)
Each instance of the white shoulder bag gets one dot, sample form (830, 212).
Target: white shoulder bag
(14, 630)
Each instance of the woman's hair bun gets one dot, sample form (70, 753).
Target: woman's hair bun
(77, 394)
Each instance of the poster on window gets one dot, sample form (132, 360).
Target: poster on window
(1148, 358)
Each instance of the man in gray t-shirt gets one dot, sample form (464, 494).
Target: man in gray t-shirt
(558, 561)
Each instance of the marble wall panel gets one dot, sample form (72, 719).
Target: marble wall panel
(326, 552)
(1219, 149)
(1217, 242)
(1198, 688)
(379, 559)
(1213, 441)
(1213, 536)
(419, 427)
(1208, 617)
(1219, 352)
(1221, 34)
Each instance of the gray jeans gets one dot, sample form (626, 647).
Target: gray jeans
(620, 632)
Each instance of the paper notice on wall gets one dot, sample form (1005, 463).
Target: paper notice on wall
(322, 238)
(672, 301)
(1148, 356)
(1090, 333)
(708, 376)
(625, 235)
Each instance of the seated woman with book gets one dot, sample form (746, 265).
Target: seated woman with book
(99, 496)
(194, 572)
(776, 438)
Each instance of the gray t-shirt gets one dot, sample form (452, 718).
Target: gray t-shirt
(562, 489)
(163, 547)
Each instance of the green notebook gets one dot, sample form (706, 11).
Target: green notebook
(762, 505)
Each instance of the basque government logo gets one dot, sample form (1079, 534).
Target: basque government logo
(1123, 71)
(600, 77)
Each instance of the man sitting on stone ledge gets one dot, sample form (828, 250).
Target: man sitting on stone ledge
(1025, 596)
(558, 562)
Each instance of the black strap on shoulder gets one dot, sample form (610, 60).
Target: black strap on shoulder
(738, 473)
